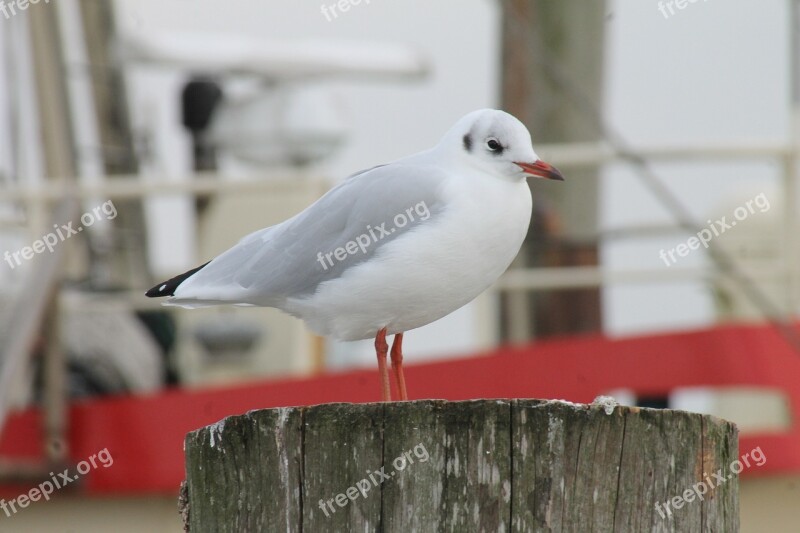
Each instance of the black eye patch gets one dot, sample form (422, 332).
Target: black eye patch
(467, 142)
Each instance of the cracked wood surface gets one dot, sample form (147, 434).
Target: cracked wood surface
(438, 466)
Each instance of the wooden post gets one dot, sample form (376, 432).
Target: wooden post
(553, 58)
(483, 465)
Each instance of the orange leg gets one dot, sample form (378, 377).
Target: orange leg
(381, 349)
(397, 365)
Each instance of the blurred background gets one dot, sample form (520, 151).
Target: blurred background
(138, 139)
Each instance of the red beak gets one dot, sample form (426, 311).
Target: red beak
(540, 169)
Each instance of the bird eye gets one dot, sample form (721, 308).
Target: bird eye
(494, 145)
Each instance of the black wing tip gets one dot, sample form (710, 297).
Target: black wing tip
(159, 290)
(167, 288)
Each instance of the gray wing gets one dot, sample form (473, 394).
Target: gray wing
(344, 228)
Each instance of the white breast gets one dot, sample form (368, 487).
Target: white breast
(432, 270)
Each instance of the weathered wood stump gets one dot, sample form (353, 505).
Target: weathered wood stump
(484, 465)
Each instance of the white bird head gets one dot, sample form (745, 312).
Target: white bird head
(497, 143)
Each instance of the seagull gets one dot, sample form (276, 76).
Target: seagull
(391, 248)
